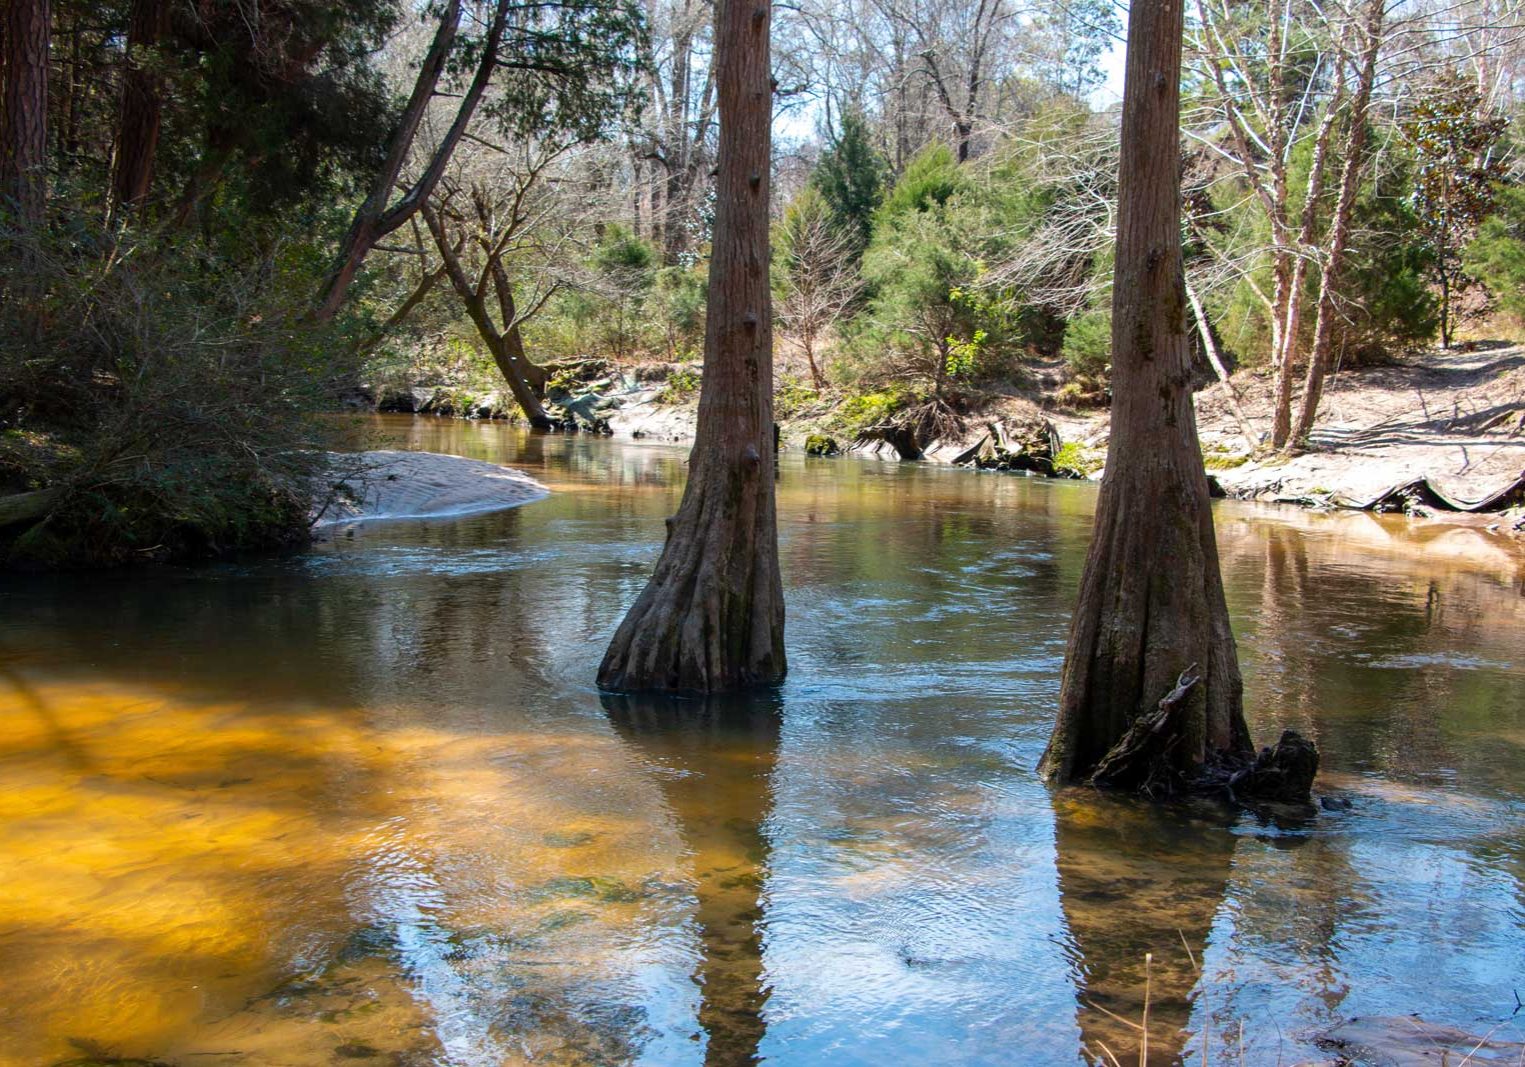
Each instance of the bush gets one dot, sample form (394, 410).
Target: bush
(858, 413)
(1088, 354)
(682, 384)
(1497, 256)
(172, 398)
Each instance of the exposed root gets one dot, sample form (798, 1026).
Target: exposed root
(1143, 760)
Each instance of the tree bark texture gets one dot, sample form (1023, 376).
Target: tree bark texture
(1151, 601)
(141, 108)
(24, 112)
(711, 619)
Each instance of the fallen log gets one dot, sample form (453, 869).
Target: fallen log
(1422, 492)
(27, 507)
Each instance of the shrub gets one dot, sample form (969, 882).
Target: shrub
(173, 398)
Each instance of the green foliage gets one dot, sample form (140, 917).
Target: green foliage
(1389, 300)
(682, 385)
(678, 303)
(174, 398)
(859, 412)
(929, 182)
(1088, 344)
(851, 177)
(1497, 256)
(791, 396)
(963, 355)
(1075, 460)
(1454, 141)
(568, 69)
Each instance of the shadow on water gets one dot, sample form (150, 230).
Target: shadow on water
(1139, 885)
(716, 758)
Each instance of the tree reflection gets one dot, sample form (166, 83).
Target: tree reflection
(1139, 885)
(716, 758)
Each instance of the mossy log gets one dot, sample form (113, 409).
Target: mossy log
(27, 507)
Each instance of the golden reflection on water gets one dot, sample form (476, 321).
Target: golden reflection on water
(232, 883)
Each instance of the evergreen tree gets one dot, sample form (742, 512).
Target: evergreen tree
(852, 176)
(1454, 140)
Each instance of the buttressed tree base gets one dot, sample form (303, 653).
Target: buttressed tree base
(712, 617)
(1151, 696)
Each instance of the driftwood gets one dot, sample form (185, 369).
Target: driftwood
(1425, 493)
(1032, 445)
(901, 438)
(1145, 760)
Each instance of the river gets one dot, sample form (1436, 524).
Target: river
(363, 804)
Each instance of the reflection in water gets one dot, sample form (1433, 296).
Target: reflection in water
(362, 804)
(716, 758)
(1140, 885)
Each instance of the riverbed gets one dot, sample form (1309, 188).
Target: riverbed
(364, 804)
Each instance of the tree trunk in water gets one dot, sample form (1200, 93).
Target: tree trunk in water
(1151, 599)
(1339, 233)
(24, 113)
(138, 119)
(712, 617)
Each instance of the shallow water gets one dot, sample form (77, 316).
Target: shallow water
(364, 805)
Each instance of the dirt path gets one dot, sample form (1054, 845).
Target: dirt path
(1454, 417)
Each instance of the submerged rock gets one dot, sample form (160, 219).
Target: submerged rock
(1409, 1041)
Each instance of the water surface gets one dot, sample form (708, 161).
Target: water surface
(363, 804)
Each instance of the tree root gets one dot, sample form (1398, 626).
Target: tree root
(1143, 761)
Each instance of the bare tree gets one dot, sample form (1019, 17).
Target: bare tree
(484, 229)
(712, 616)
(1256, 68)
(819, 280)
(1330, 282)
(676, 138)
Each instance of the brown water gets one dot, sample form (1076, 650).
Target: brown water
(363, 804)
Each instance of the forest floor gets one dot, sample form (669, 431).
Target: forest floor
(1455, 417)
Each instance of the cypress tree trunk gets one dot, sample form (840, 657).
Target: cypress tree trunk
(1151, 599)
(24, 112)
(712, 616)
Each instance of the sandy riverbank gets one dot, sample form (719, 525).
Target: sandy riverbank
(377, 485)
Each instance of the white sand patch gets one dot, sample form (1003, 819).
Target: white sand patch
(421, 485)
